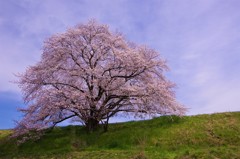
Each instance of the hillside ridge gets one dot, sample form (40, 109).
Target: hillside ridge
(200, 136)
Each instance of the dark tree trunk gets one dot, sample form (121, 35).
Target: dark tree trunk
(105, 125)
(92, 125)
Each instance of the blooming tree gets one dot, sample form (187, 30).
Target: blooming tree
(90, 74)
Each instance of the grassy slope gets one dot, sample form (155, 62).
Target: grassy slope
(202, 136)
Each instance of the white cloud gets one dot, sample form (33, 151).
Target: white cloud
(16, 55)
(220, 96)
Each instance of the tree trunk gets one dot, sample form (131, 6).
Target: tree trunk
(92, 125)
(105, 125)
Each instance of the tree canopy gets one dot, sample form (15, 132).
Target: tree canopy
(90, 74)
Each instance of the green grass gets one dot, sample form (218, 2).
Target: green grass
(203, 136)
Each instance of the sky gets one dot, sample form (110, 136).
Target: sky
(198, 38)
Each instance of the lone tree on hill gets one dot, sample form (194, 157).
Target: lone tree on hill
(90, 74)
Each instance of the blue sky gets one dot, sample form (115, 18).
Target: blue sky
(199, 39)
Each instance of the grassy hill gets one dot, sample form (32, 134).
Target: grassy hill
(202, 136)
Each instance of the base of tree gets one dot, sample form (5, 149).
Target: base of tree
(92, 125)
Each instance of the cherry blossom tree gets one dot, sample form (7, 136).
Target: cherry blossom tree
(90, 74)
